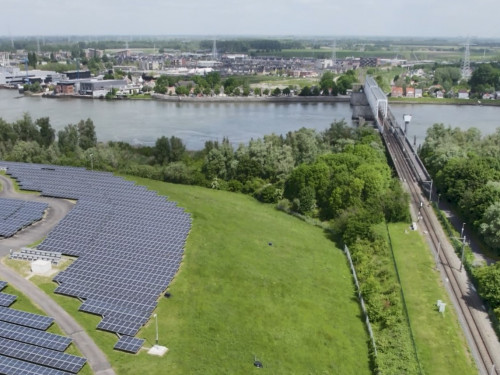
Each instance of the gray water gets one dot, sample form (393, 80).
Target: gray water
(144, 121)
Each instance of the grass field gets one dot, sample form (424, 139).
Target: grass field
(292, 304)
(439, 339)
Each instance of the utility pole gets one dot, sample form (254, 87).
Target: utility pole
(156, 321)
(462, 231)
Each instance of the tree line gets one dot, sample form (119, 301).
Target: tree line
(466, 169)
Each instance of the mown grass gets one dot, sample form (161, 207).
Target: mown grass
(292, 304)
(24, 304)
(439, 339)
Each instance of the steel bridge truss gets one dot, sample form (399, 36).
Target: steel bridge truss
(377, 100)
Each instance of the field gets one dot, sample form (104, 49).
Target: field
(440, 342)
(254, 283)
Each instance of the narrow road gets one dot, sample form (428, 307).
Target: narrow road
(58, 208)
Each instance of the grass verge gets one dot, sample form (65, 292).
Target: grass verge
(439, 339)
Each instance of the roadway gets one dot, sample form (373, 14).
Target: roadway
(473, 317)
(58, 208)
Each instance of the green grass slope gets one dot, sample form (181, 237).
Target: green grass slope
(292, 304)
(439, 339)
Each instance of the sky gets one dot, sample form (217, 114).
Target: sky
(422, 18)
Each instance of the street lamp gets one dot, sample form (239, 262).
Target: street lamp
(92, 161)
(156, 321)
(462, 231)
(463, 251)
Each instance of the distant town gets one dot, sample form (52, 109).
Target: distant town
(243, 69)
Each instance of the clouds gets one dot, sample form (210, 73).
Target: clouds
(271, 17)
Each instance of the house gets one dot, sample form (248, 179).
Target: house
(439, 94)
(463, 94)
(410, 92)
(418, 93)
(396, 91)
(497, 95)
(488, 96)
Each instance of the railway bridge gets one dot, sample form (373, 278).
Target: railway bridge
(473, 317)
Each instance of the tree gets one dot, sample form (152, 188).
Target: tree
(306, 91)
(277, 91)
(161, 85)
(67, 139)
(485, 78)
(489, 284)
(162, 150)
(47, 133)
(87, 137)
(490, 228)
(326, 82)
(32, 59)
(177, 149)
(286, 91)
(26, 130)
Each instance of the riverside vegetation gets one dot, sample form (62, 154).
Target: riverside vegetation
(466, 169)
(338, 179)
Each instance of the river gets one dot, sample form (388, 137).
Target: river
(137, 121)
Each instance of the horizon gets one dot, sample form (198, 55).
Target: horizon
(300, 18)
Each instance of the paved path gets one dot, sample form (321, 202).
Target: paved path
(58, 208)
(470, 236)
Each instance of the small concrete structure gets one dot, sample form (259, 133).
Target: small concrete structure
(41, 267)
(158, 350)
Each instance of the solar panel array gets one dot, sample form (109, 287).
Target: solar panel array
(17, 214)
(25, 347)
(129, 241)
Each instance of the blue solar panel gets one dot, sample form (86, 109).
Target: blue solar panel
(7, 299)
(129, 344)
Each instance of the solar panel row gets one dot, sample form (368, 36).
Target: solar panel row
(128, 239)
(16, 214)
(41, 356)
(7, 299)
(12, 366)
(25, 318)
(34, 336)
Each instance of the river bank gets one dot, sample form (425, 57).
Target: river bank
(445, 101)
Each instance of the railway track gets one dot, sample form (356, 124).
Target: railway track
(467, 302)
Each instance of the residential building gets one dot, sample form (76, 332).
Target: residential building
(463, 94)
(396, 91)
